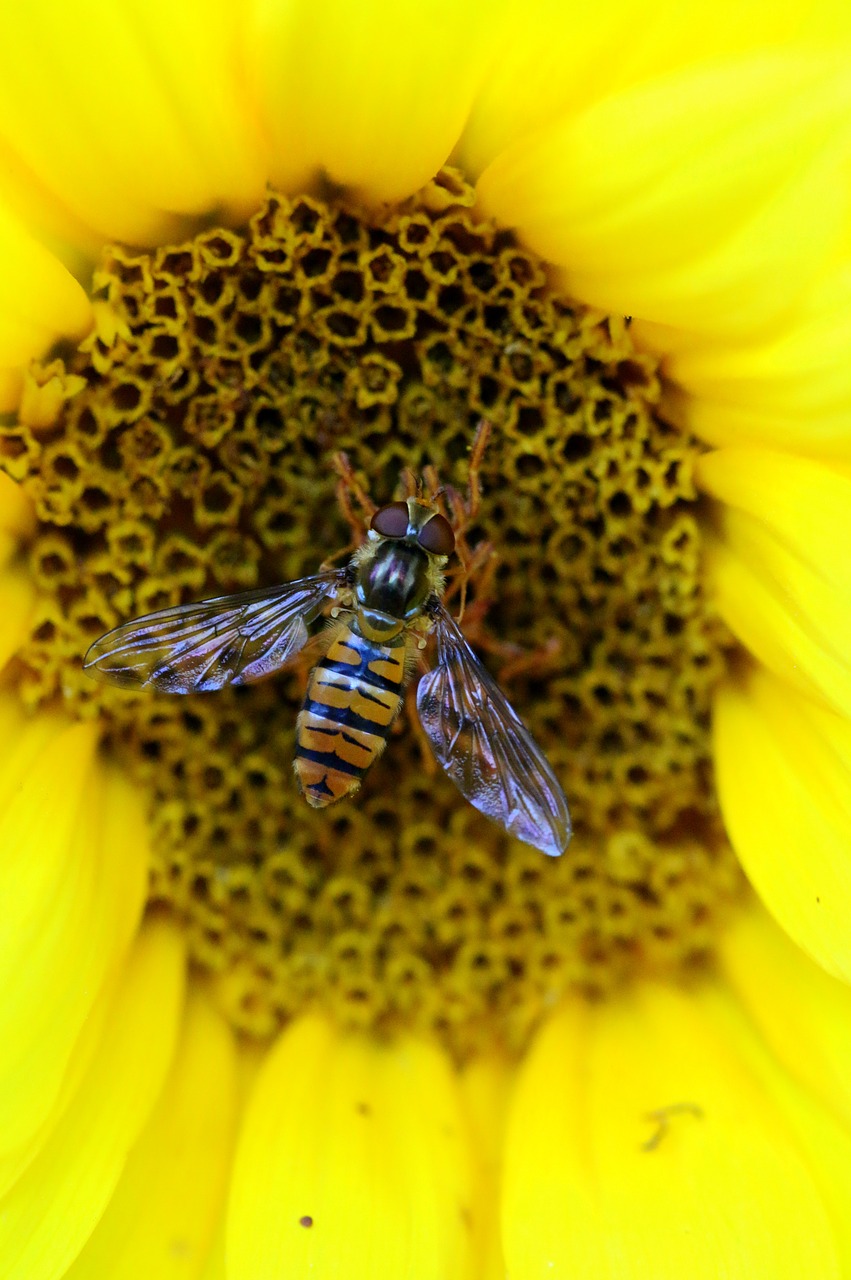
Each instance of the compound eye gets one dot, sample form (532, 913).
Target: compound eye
(437, 537)
(391, 521)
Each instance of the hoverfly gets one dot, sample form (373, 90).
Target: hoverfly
(385, 601)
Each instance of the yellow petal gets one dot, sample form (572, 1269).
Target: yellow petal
(163, 1214)
(38, 209)
(194, 51)
(707, 199)
(792, 389)
(783, 768)
(250, 1059)
(128, 113)
(827, 1146)
(215, 1267)
(39, 300)
(596, 1186)
(805, 1087)
(485, 1086)
(353, 1161)
(73, 879)
(803, 1013)
(550, 60)
(48, 1215)
(555, 59)
(781, 611)
(11, 384)
(803, 503)
(17, 598)
(374, 94)
(780, 573)
(14, 1162)
(17, 516)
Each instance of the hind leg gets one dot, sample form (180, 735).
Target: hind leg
(462, 512)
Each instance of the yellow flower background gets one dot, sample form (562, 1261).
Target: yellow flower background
(687, 167)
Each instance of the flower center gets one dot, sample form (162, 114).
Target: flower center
(192, 453)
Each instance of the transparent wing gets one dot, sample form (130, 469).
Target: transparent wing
(196, 648)
(487, 752)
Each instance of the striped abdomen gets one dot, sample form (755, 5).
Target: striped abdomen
(352, 699)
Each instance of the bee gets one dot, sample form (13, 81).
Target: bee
(384, 604)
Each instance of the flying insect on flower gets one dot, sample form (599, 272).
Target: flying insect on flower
(384, 603)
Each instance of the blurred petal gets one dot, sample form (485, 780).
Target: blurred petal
(73, 879)
(46, 217)
(804, 1054)
(375, 94)
(783, 768)
(781, 573)
(353, 1161)
(214, 1264)
(803, 1013)
(50, 1212)
(39, 300)
(707, 199)
(485, 1085)
(827, 1146)
(250, 1058)
(15, 1161)
(128, 113)
(17, 594)
(550, 59)
(596, 1187)
(17, 517)
(17, 599)
(11, 381)
(192, 48)
(555, 59)
(161, 1219)
(792, 389)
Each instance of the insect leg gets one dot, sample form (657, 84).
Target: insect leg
(477, 453)
(351, 494)
(429, 764)
(662, 1119)
(411, 484)
(349, 491)
(463, 512)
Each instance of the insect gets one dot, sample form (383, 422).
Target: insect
(384, 603)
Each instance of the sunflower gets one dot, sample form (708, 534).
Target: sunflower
(256, 256)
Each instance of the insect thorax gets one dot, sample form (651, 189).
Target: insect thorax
(394, 579)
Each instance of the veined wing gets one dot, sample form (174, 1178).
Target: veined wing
(481, 743)
(196, 648)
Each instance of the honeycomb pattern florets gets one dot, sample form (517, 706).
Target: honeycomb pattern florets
(190, 455)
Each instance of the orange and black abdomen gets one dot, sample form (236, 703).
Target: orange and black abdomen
(353, 697)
